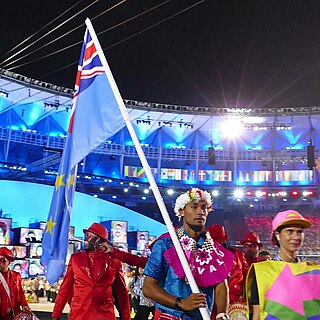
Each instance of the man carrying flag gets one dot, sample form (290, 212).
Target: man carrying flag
(98, 113)
(166, 282)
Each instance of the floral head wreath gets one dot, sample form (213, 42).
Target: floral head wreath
(193, 195)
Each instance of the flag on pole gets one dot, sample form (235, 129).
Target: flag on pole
(51, 239)
(193, 285)
(94, 118)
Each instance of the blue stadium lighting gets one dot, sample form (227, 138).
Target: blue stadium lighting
(114, 197)
(14, 128)
(54, 134)
(144, 198)
(125, 190)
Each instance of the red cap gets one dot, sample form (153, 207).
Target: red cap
(99, 230)
(6, 253)
(252, 237)
(218, 233)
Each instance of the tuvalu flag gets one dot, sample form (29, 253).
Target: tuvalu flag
(95, 117)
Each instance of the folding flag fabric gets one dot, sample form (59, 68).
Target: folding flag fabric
(95, 117)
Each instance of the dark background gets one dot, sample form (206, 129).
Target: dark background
(221, 53)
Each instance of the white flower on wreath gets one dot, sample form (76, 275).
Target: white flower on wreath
(192, 195)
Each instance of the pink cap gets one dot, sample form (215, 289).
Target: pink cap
(288, 217)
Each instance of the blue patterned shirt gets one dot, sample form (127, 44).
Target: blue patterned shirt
(158, 268)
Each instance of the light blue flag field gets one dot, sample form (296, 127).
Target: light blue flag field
(94, 118)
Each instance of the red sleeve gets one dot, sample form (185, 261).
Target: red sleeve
(131, 259)
(245, 265)
(122, 292)
(64, 292)
(22, 296)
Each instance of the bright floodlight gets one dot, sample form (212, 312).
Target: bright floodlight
(215, 193)
(259, 194)
(170, 192)
(232, 128)
(238, 193)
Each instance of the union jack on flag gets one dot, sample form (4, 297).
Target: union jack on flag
(94, 118)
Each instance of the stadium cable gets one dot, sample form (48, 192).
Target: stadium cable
(58, 38)
(113, 45)
(34, 34)
(54, 29)
(79, 42)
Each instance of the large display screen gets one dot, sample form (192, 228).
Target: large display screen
(20, 252)
(119, 231)
(5, 230)
(21, 266)
(30, 234)
(35, 250)
(142, 240)
(35, 267)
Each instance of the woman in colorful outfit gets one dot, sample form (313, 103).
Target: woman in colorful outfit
(285, 288)
(210, 263)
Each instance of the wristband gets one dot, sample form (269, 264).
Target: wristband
(222, 316)
(176, 304)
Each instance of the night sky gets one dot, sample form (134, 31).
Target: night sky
(221, 53)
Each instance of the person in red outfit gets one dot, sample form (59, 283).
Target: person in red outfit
(89, 279)
(240, 266)
(238, 273)
(251, 246)
(12, 298)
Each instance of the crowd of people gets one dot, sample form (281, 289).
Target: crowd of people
(213, 281)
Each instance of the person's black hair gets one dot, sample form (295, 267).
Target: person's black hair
(264, 253)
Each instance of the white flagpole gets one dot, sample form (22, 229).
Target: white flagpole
(204, 311)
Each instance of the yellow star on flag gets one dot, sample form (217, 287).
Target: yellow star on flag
(50, 225)
(71, 180)
(59, 181)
